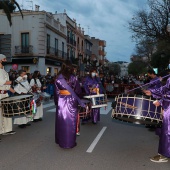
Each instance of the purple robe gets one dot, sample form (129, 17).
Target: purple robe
(164, 94)
(93, 83)
(154, 83)
(66, 113)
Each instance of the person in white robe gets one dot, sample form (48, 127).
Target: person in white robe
(36, 87)
(5, 85)
(23, 87)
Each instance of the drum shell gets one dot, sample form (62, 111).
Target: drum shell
(85, 112)
(137, 109)
(16, 107)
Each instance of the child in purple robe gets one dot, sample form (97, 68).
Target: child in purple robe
(92, 87)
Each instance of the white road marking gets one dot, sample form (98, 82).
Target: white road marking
(48, 105)
(52, 110)
(94, 143)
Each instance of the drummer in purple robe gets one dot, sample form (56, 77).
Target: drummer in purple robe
(163, 93)
(92, 87)
(67, 89)
(155, 80)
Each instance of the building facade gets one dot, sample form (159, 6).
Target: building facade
(38, 41)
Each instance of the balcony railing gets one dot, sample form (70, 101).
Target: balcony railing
(71, 41)
(24, 49)
(56, 53)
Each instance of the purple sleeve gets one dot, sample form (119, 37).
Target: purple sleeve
(86, 86)
(77, 88)
(56, 92)
(160, 92)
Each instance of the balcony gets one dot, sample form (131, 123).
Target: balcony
(71, 41)
(55, 53)
(20, 50)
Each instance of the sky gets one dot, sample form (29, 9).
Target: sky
(103, 19)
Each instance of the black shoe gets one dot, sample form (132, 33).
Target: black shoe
(28, 124)
(94, 122)
(22, 126)
(40, 119)
(0, 140)
(35, 120)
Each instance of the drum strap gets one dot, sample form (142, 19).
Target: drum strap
(61, 78)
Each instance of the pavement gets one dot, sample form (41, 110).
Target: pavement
(108, 145)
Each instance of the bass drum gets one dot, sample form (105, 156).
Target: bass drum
(137, 109)
(109, 87)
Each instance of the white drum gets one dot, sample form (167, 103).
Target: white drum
(98, 101)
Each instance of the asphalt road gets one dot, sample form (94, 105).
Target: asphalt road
(108, 145)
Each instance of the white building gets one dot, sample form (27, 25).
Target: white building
(123, 68)
(36, 42)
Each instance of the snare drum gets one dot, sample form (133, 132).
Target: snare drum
(16, 105)
(137, 109)
(98, 101)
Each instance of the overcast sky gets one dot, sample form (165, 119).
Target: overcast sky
(103, 19)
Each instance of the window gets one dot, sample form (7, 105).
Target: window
(26, 68)
(25, 42)
(56, 47)
(56, 71)
(48, 70)
(48, 44)
(62, 50)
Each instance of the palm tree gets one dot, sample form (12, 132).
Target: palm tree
(8, 7)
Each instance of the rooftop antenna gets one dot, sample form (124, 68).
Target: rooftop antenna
(22, 5)
(88, 28)
(31, 4)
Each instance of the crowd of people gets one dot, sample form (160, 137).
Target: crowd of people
(68, 91)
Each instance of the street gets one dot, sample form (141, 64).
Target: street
(108, 145)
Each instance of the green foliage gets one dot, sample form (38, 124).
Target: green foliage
(8, 7)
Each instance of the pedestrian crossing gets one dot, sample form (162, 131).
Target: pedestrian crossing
(103, 110)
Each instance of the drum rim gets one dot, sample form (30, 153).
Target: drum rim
(119, 117)
(135, 95)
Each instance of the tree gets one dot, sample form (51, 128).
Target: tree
(9, 6)
(145, 48)
(151, 23)
(137, 68)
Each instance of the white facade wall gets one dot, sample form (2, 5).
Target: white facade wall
(35, 24)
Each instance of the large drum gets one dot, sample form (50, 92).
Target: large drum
(137, 109)
(16, 105)
(98, 101)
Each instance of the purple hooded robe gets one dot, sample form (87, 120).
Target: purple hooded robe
(66, 113)
(164, 94)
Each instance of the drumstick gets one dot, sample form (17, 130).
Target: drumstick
(147, 84)
(24, 86)
(128, 105)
